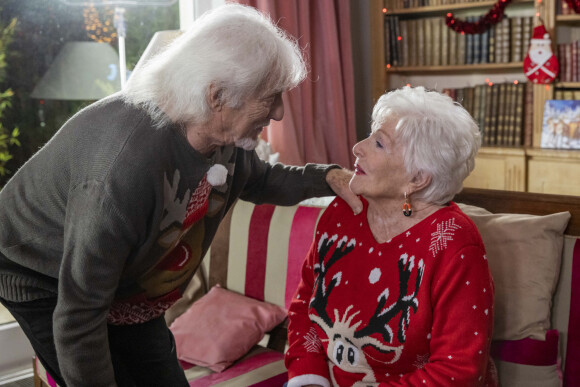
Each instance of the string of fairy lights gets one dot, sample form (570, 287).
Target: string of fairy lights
(97, 30)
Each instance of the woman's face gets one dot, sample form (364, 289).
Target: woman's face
(244, 124)
(379, 168)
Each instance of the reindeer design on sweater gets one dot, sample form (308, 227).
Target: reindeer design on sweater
(345, 343)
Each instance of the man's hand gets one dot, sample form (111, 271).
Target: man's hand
(338, 180)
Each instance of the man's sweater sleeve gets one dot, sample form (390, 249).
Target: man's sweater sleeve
(283, 184)
(305, 358)
(97, 240)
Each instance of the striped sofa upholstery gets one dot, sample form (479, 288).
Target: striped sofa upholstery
(258, 252)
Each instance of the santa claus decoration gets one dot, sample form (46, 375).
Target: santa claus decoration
(540, 64)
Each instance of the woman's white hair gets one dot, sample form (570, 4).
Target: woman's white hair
(439, 138)
(233, 47)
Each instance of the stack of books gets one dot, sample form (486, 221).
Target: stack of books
(504, 112)
(569, 63)
(429, 42)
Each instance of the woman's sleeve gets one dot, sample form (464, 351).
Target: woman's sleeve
(462, 298)
(305, 358)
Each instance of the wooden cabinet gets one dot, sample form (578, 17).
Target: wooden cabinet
(553, 171)
(499, 168)
(515, 169)
(527, 169)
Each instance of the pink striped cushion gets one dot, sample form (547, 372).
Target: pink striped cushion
(528, 362)
(267, 246)
(260, 367)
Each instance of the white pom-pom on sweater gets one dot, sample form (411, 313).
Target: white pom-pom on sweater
(217, 175)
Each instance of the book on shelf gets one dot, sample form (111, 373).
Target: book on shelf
(387, 35)
(482, 108)
(403, 24)
(561, 54)
(469, 45)
(518, 120)
(452, 44)
(510, 120)
(435, 41)
(569, 62)
(420, 33)
(491, 45)
(470, 97)
(528, 113)
(444, 42)
(476, 105)
(500, 131)
(527, 24)
(476, 43)
(412, 42)
(487, 119)
(398, 42)
(484, 47)
(460, 48)
(492, 132)
(575, 52)
(498, 42)
(516, 32)
(505, 40)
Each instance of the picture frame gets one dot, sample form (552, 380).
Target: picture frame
(561, 124)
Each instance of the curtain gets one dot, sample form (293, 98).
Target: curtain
(319, 119)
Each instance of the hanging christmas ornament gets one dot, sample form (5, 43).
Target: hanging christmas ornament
(494, 16)
(540, 64)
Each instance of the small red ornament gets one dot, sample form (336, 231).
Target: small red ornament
(540, 64)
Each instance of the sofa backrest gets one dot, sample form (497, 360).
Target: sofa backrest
(565, 316)
(259, 250)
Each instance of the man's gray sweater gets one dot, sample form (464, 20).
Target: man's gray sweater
(99, 217)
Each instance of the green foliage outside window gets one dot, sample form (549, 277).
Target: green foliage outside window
(8, 136)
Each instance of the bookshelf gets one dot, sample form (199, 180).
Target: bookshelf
(515, 168)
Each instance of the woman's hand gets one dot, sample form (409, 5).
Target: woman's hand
(338, 179)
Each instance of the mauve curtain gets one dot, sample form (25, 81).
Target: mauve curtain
(319, 119)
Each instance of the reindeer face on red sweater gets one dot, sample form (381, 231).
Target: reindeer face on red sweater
(347, 338)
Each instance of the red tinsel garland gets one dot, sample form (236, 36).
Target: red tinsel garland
(491, 18)
(574, 4)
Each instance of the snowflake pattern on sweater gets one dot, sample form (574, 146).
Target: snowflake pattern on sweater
(416, 310)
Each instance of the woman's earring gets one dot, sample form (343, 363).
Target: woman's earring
(407, 210)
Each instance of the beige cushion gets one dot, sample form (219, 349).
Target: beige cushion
(521, 375)
(524, 254)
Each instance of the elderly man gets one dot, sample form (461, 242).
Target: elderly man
(101, 231)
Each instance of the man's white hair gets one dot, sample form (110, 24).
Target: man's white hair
(438, 136)
(234, 47)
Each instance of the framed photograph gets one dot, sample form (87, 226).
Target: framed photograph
(561, 124)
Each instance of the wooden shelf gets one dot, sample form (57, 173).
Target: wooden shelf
(487, 67)
(444, 9)
(567, 85)
(568, 19)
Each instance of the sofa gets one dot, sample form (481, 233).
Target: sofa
(230, 326)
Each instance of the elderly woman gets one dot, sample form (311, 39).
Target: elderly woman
(101, 231)
(391, 297)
